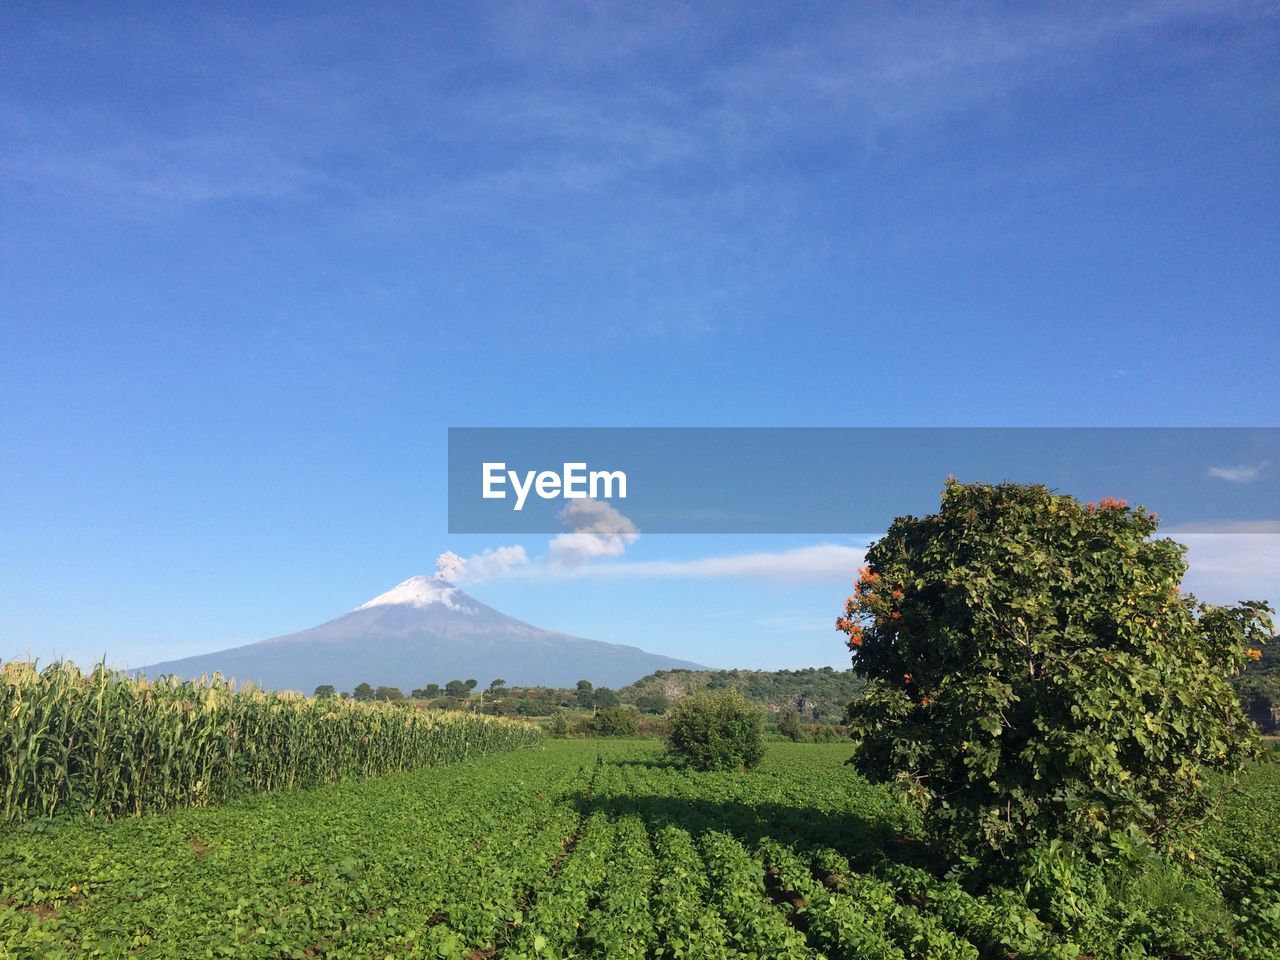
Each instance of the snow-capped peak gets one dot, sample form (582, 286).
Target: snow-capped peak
(422, 591)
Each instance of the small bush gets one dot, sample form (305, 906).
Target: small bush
(789, 723)
(559, 726)
(717, 730)
(616, 722)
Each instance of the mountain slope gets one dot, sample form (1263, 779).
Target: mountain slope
(423, 630)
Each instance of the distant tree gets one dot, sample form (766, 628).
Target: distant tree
(789, 723)
(363, 692)
(325, 690)
(389, 694)
(616, 722)
(559, 724)
(496, 685)
(654, 702)
(584, 684)
(471, 684)
(585, 699)
(432, 690)
(456, 689)
(604, 698)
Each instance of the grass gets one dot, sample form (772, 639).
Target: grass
(592, 849)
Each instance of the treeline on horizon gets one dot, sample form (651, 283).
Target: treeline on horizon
(815, 694)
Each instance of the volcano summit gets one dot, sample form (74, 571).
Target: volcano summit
(421, 631)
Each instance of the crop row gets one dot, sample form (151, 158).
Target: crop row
(107, 744)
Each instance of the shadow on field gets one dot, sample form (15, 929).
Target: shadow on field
(653, 763)
(864, 840)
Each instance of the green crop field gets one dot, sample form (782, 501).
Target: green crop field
(590, 849)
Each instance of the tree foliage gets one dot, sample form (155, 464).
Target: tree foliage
(789, 723)
(616, 722)
(717, 730)
(604, 698)
(1034, 670)
(559, 726)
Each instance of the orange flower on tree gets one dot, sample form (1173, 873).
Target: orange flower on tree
(1254, 654)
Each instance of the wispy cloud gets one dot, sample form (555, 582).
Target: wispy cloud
(599, 533)
(377, 124)
(814, 563)
(1242, 473)
(821, 562)
(487, 565)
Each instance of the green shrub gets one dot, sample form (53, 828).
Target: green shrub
(716, 730)
(789, 723)
(559, 726)
(616, 722)
(1034, 671)
(655, 702)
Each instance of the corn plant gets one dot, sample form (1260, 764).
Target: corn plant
(106, 744)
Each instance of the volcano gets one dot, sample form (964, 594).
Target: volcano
(421, 631)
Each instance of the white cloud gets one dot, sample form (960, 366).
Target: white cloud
(599, 531)
(596, 530)
(1226, 567)
(1238, 474)
(819, 562)
(486, 565)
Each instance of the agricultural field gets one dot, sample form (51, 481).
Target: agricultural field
(581, 848)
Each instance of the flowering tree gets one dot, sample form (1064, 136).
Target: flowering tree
(1035, 671)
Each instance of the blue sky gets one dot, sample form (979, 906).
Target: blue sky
(255, 260)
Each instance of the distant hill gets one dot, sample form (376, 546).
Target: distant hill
(818, 693)
(421, 631)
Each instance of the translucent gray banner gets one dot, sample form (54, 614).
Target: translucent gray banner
(847, 480)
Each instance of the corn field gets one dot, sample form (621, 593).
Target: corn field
(105, 744)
